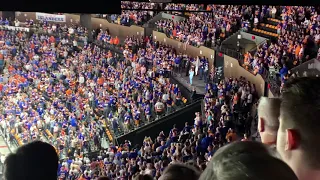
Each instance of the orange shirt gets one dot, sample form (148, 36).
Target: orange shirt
(297, 50)
(174, 32)
(100, 81)
(116, 41)
(52, 39)
(135, 57)
(10, 68)
(111, 41)
(68, 92)
(82, 178)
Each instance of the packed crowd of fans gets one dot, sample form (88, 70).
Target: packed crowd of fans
(55, 90)
(132, 17)
(138, 5)
(298, 41)
(60, 92)
(195, 143)
(206, 150)
(207, 28)
(36, 90)
(185, 7)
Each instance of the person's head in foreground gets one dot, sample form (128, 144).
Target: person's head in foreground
(34, 161)
(246, 160)
(143, 177)
(179, 172)
(268, 121)
(298, 134)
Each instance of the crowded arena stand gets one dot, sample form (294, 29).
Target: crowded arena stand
(76, 91)
(133, 13)
(296, 40)
(132, 17)
(207, 28)
(138, 5)
(185, 7)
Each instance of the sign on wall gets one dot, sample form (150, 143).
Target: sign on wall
(50, 17)
(14, 28)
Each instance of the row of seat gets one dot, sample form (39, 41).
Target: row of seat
(274, 20)
(265, 32)
(18, 139)
(268, 26)
(109, 134)
(49, 134)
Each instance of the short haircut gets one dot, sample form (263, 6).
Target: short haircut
(143, 177)
(180, 171)
(246, 160)
(34, 161)
(300, 110)
(103, 178)
(269, 110)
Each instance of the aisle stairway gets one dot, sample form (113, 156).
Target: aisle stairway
(268, 28)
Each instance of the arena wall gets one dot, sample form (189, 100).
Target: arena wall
(115, 29)
(233, 69)
(185, 49)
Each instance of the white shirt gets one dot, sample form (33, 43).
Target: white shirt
(249, 100)
(2, 158)
(54, 27)
(55, 129)
(165, 97)
(159, 106)
(71, 30)
(16, 23)
(75, 43)
(81, 79)
(243, 95)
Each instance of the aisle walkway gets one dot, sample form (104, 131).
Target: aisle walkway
(184, 80)
(4, 149)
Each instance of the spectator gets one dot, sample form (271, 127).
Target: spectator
(246, 160)
(297, 140)
(36, 160)
(268, 120)
(159, 107)
(201, 29)
(191, 74)
(143, 177)
(180, 171)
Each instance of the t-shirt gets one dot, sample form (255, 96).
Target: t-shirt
(159, 106)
